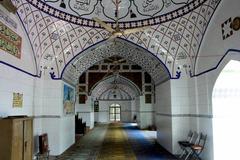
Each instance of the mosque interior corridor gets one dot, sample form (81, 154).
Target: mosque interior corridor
(93, 67)
(117, 141)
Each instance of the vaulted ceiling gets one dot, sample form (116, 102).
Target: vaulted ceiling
(128, 51)
(121, 87)
(62, 32)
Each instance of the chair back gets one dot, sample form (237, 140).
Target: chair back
(202, 141)
(194, 138)
(189, 136)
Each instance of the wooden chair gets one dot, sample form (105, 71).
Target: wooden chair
(43, 153)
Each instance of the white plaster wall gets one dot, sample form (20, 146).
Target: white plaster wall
(11, 81)
(205, 84)
(49, 115)
(146, 113)
(48, 97)
(212, 50)
(61, 133)
(197, 113)
(67, 130)
(51, 126)
(163, 115)
(85, 111)
(182, 94)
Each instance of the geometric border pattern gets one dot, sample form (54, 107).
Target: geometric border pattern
(189, 7)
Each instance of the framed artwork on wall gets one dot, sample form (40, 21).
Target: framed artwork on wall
(68, 100)
(10, 41)
(17, 100)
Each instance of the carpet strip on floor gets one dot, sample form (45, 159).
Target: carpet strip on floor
(115, 141)
(88, 147)
(145, 149)
(115, 145)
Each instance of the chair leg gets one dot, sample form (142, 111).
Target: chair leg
(188, 155)
(182, 153)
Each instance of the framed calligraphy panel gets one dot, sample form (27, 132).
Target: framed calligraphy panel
(10, 41)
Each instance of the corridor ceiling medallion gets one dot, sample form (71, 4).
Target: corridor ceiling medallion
(116, 32)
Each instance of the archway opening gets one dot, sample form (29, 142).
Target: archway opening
(225, 100)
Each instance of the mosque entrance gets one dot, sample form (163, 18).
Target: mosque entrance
(115, 113)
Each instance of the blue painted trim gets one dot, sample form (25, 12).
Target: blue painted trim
(28, 73)
(209, 70)
(166, 69)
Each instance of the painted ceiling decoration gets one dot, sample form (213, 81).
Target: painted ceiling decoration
(130, 52)
(58, 35)
(123, 88)
(132, 13)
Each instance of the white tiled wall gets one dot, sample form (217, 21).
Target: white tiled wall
(85, 111)
(146, 113)
(162, 109)
(48, 107)
(11, 81)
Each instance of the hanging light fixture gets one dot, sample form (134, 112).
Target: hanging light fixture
(62, 4)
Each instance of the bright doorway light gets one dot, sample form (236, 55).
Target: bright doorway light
(226, 112)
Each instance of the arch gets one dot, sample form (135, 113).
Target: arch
(149, 62)
(126, 86)
(113, 93)
(54, 50)
(225, 98)
(231, 54)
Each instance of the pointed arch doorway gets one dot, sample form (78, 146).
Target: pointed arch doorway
(226, 111)
(115, 113)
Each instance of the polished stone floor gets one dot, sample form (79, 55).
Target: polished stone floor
(116, 141)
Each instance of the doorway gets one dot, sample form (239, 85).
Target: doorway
(115, 113)
(226, 111)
